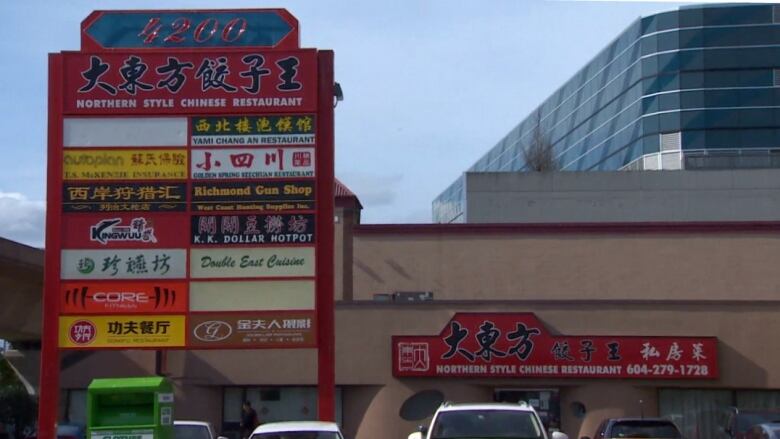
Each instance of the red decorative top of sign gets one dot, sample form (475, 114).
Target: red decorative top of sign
(517, 345)
(191, 82)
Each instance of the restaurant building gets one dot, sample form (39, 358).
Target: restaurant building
(623, 319)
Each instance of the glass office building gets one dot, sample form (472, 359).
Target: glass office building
(694, 88)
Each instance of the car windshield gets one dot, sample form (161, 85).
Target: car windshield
(745, 420)
(479, 424)
(191, 432)
(645, 429)
(298, 435)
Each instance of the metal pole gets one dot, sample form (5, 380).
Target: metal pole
(326, 367)
(49, 384)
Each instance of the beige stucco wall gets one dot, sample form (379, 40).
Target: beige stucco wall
(701, 284)
(372, 397)
(496, 266)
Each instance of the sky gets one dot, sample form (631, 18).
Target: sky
(429, 86)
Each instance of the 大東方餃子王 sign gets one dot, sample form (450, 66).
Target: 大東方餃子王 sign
(517, 345)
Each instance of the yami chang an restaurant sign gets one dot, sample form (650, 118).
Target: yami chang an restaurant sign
(517, 345)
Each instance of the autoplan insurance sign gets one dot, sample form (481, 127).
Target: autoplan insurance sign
(517, 345)
(188, 154)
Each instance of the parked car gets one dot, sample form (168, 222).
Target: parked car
(298, 430)
(493, 420)
(739, 421)
(194, 430)
(655, 428)
(66, 431)
(770, 430)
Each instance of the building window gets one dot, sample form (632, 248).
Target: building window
(776, 80)
(76, 411)
(273, 403)
(671, 141)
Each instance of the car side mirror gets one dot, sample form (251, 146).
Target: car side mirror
(559, 435)
(415, 435)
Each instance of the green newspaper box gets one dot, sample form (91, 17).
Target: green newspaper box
(130, 408)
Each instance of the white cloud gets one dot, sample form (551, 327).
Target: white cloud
(372, 190)
(22, 220)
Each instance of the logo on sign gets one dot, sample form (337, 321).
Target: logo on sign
(85, 265)
(413, 357)
(82, 332)
(120, 299)
(109, 230)
(213, 330)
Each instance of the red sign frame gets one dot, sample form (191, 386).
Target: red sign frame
(518, 345)
(311, 69)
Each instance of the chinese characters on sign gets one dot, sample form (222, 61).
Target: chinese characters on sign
(122, 331)
(124, 197)
(187, 83)
(124, 264)
(220, 142)
(252, 163)
(252, 229)
(255, 330)
(518, 345)
(253, 130)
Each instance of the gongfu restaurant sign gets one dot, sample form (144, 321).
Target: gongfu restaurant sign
(517, 345)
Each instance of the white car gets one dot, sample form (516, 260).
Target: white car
(493, 420)
(194, 430)
(298, 430)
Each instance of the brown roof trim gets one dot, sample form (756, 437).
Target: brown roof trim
(22, 254)
(344, 196)
(547, 228)
(600, 304)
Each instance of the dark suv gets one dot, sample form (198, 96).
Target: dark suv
(739, 421)
(656, 428)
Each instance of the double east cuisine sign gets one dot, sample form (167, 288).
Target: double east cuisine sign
(517, 345)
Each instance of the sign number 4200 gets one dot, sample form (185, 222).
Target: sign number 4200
(179, 30)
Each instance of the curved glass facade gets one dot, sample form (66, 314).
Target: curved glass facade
(708, 75)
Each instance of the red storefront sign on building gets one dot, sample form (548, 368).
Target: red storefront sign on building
(517, 345)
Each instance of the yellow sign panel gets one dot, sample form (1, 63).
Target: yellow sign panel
(158, 164)
(142, 331)
(252, 295)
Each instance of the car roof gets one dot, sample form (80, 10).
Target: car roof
(486, 406)
(664, 420)
(194, 423)
(278, 427)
